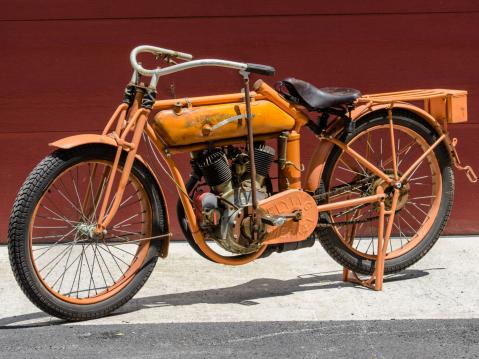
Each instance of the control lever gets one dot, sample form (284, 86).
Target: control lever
(277, 220)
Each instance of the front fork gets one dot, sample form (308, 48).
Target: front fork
(131, 116)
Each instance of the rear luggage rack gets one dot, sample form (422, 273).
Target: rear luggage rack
(449, 106)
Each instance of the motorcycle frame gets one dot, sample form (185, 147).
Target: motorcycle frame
(130, 120)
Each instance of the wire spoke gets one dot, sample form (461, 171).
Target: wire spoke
(413, 230)
(423, 197)
(62, 254)
(349, 168)
(409, 148)
(77, 194)
(91, 274)
(415, 169)
(53, 245)
(77, 292)
(65, 269)
(57, 219)
(106, 266)
(78, 267)
(105, 181)
(413, 217)
(114, 258)
(81, 267)
(58, 215)
(127, 219)
(420, 209)
(71, 203)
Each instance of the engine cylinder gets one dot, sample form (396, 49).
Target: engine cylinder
(263, 156)
(215, 169)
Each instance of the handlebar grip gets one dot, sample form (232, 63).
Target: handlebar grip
(260, 69)
(182, 55)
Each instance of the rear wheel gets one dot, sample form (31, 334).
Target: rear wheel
(425, 201)
(60, 264)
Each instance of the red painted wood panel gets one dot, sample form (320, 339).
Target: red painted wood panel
(91, 9)
(66, 76)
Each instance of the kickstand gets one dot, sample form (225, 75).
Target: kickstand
(375, 281)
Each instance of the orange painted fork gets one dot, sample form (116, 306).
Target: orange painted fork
(421, 158)
(360, 159)
(137, 124)
(120, 111)
(393, 142)
(88, 203)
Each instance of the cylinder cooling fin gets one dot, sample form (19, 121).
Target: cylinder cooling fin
(215, 168)
(263, 156)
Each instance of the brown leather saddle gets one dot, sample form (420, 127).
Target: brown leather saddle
(314, 99)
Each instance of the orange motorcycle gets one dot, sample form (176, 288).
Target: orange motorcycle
(90, 221)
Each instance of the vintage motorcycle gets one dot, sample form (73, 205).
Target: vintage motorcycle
(90, 220)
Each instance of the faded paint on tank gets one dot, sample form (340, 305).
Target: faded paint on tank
(197, 124)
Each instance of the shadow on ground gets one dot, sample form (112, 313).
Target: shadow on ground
(243, 294)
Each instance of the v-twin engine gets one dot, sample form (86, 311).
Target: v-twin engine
(221, 210)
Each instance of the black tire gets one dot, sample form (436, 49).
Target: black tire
(329, 238)
(18, 233)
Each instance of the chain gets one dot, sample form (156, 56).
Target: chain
(345, 223)
(349, 187)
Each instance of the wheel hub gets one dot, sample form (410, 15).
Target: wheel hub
(389, 191)
(87, 231)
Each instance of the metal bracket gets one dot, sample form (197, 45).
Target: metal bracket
(149, 98)
(122, 143)
(470, 174)
(208, 129)
(289, 163)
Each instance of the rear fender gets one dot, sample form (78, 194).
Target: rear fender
(70, 142)
(362, 111)
(315, 168)
(321, 153)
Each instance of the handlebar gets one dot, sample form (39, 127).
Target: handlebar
(155, 51)
(189, 63)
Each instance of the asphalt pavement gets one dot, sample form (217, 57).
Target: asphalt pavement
(291, 305)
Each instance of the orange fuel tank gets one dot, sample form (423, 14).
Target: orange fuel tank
(185, 126)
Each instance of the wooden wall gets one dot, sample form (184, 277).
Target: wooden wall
(64, 64)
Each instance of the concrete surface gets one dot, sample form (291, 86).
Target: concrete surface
(191, 307)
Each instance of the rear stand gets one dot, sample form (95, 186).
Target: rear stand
(375, 281)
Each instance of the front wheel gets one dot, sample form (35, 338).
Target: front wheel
(59, 263)
(350, 235)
